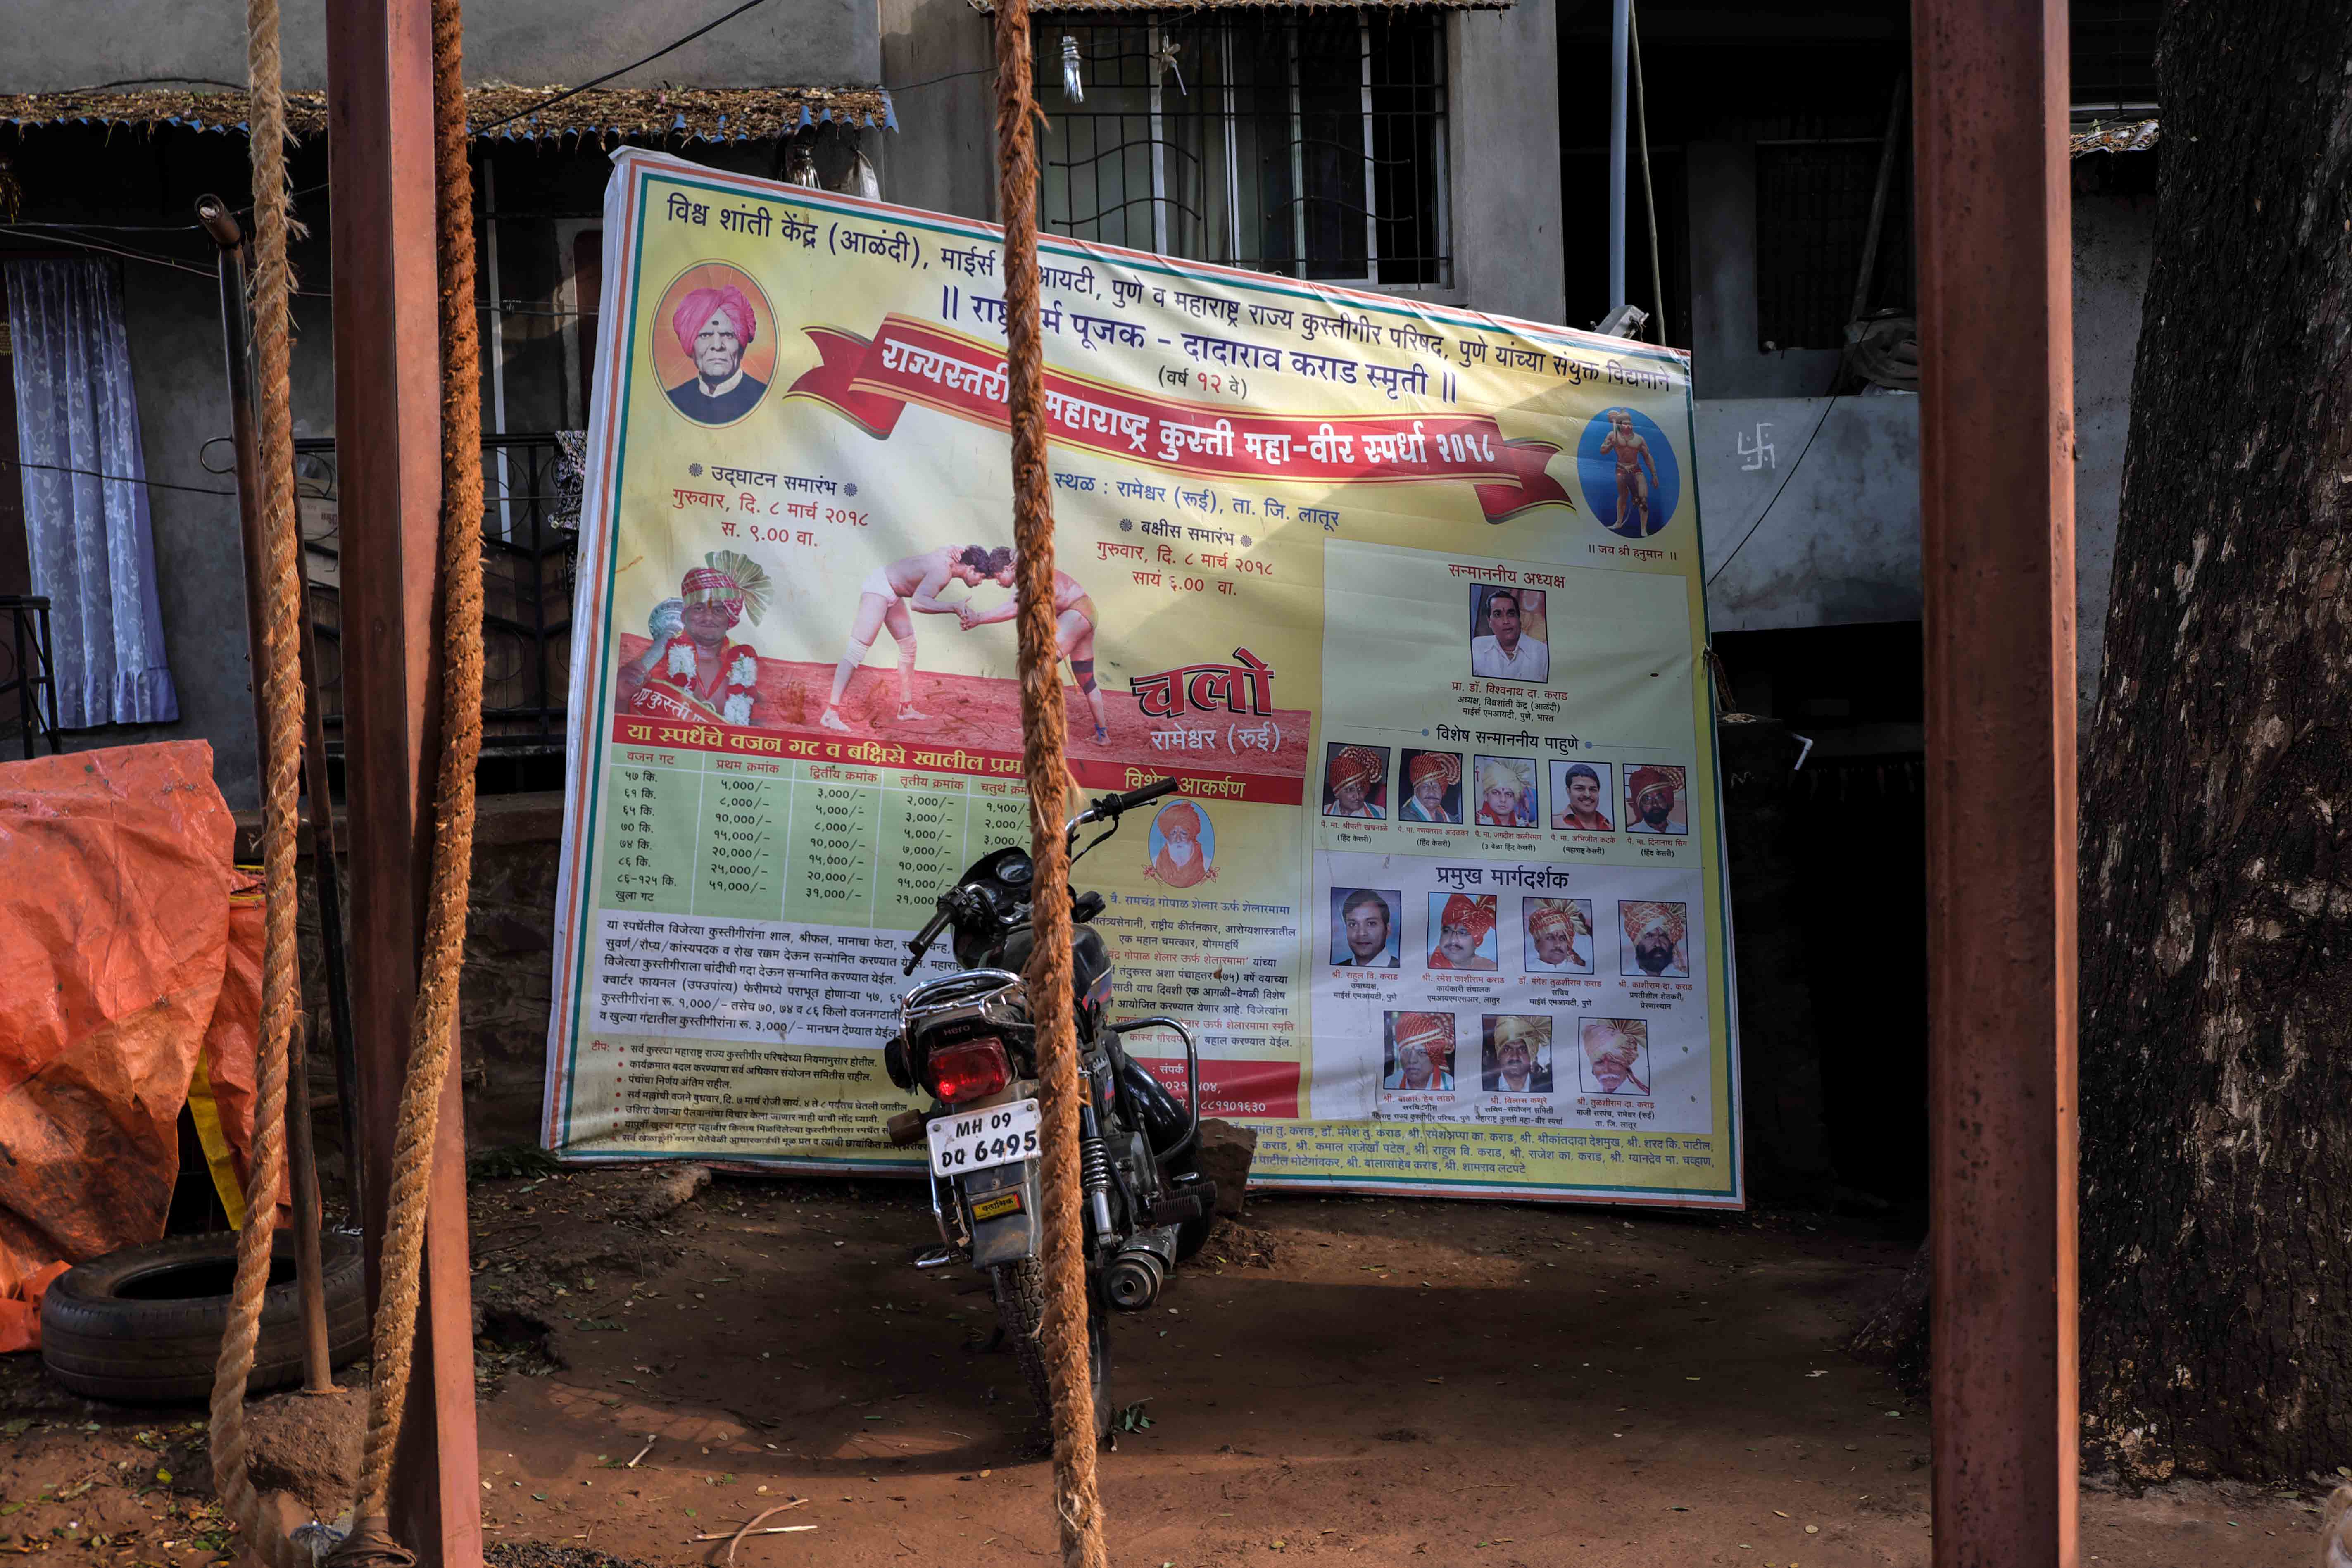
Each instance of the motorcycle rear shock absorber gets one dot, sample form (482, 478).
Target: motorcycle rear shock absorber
(1094, 1172)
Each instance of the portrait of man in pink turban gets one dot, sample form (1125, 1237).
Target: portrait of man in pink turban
(714, 326)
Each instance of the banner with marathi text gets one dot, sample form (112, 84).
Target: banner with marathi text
(1407, 597)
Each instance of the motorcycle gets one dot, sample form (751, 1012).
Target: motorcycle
(968, 1041)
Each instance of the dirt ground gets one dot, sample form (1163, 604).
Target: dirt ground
(1370, 1380)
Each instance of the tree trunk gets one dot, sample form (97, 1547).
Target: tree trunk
(2216, 1092)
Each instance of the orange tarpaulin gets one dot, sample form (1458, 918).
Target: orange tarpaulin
(227, 1066)
(115, 877)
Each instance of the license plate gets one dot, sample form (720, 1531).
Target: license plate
(975, 1140)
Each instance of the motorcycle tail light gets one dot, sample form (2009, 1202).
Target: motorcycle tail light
(968, 1071)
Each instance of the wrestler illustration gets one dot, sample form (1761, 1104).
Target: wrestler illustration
(1632, 453)
(1419, 1053)
(1464, 924)
(1655, 796)
(1075, 619)
(1559, 936)
(692, 670)
(1352, 780)
(1433, 777)
(1182, 846)
(1506, 791)
(714, 326)
(1653, 939)
(1614, 1052)
(887, 594)
(1577, 791)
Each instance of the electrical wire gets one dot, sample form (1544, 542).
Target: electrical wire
(570, 91)
(159, 80)
(116, 250)
(935, 81)
(115, 228)
(152, 258)
(1776, 494)
(116, 479)
(608, 75)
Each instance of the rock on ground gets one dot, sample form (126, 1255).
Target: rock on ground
(1224, 1156)
(672, 1191)
(307, 1445)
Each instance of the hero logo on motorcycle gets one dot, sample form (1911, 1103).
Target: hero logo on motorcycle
(997, 1136)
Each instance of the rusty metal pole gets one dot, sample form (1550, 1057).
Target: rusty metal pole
(237, 349)
(1997, 512)
(388, 447)
(236, 335)
(302, 1164)
(302, 1167)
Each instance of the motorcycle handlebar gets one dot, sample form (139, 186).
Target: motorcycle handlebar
(922, 940)
(1109, 807)
(1112, 804)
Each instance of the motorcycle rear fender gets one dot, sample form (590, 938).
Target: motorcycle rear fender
(1000, 1205)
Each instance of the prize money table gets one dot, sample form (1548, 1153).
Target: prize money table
(692, 834)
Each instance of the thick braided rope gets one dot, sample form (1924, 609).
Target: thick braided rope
(281, 692)
(431, 1034)
(1044, 720)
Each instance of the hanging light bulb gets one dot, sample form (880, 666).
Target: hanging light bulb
(1074, 87)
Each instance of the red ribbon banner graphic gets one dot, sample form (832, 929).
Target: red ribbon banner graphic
(869, 381)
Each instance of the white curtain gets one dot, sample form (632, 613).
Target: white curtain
(85, 496)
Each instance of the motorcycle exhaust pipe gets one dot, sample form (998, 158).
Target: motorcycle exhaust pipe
(1132, 1281)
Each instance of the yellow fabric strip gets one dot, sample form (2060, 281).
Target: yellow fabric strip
(206, 1112)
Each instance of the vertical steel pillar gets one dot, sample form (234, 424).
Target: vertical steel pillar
(1997, 510)
(388, 447)
(1620, 29)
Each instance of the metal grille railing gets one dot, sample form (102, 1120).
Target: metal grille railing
(28, 679)
(1812, 219)
(527, 575)
(1311, 144)
(2113, 55)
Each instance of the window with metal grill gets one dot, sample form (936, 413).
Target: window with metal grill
(1308, 144)
(1812, 223)
(2114, 55)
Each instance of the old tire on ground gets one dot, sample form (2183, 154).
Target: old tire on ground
(1019, 1290)
(143, 1325)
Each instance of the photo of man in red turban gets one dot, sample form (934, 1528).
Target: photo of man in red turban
(1560, 935)
(692, 671)
(1655, 799)
(1431, 777)
(1421, 1051)
(714, 326)
(1352, 782)
(1464, 924)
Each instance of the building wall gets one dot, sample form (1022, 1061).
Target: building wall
(2112, 240)
(1841, 544)
(1502, 77)
(54, 47)
(1503, 100)
(938, 57)
(1725, 359)
(1840, 541)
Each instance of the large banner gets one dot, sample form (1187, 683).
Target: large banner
(1408, 597)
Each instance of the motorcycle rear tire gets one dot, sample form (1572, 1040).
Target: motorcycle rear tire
(1019, 1290)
